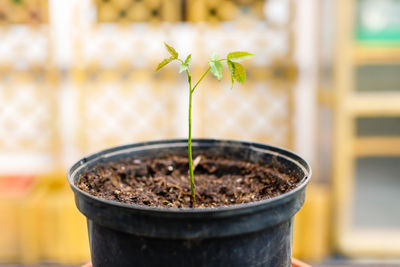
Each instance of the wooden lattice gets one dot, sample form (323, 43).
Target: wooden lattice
(261, 110)
(224, 10)
(138, 11)
(28, 112)
(117, 11)
(117, 107)
(24, 34)
(23, 11)
(24, 48)
(29, 140)
(257, 111)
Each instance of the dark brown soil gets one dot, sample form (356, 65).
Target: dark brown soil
(164, 182)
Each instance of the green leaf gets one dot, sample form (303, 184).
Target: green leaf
(183, 67)
(216, 69)
(164, 62)
(239, 55)
(171, 50)
(237, 71)
(231, 68)
(214, 56)
(240, 73)
(188, 60)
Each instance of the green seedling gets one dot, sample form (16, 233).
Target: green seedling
(215, 66)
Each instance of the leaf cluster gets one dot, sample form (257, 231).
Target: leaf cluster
(236, 69)
(173, 53)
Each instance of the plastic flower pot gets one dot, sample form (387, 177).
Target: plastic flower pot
(251, 234)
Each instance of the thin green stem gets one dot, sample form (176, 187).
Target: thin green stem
(201, 78)
(191, 172)
(185, 66)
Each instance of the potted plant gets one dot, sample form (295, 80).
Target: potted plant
(151, 204)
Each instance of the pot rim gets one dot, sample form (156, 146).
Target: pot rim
(106, 153)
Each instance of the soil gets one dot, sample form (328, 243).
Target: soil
(164, 182)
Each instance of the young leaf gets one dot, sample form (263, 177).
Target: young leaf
(171, 50)
(237, 71)
(214, 56)
(188, 60)
(231, 68)
(239, 55)
(183, 67)
(164, 62)
(216, 69)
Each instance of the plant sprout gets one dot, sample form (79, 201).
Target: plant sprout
(215, 66)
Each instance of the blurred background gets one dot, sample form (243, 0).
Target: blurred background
(78, 76)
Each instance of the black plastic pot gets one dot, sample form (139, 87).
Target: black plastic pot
(251, 234)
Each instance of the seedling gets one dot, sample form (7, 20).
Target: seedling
(215, 66)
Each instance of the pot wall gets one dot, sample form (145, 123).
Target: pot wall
(269, 247)
(251, 234)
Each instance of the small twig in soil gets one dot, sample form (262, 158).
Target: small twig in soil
(196, 162)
